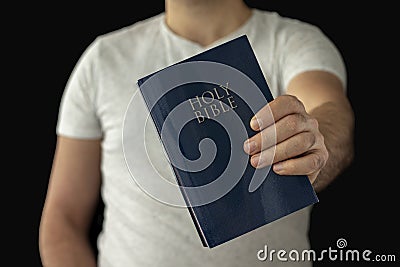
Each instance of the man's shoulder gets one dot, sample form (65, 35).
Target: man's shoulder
(277, 22)
(138, 28)
(130, 36)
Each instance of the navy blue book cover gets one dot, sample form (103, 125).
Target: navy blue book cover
(205, 98)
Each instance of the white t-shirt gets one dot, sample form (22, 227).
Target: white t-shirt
(138, 230)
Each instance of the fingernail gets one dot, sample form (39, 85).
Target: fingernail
(249, 146)
(255, 160)
(278, 167)
(255, 124)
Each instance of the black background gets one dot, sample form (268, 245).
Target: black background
(359, 206)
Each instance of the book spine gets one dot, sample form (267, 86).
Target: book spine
(190, 209)
(178, 178)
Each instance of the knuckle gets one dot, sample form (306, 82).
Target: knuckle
(294, 123)
(309, 140)
(294, 103)
(291, 98)
(319, 160)
(316, 162)
(313, 123)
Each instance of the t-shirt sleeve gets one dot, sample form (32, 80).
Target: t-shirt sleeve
(307, 48)
(77, 116)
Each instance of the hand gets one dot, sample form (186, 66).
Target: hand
(300, 148)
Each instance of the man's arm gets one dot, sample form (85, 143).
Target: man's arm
(324, 99)
(314, 126)
(70, 203)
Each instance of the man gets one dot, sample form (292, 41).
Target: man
(313, 118)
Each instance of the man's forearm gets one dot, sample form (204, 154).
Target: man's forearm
(336, 123)
(61, 244)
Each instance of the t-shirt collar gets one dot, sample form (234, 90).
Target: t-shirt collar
(245, 28)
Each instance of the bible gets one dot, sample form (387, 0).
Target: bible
(201, 108)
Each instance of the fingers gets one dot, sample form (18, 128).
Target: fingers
(308, 164)
(288, 138)
(275, 110)
(284, 128)
(289, 148)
